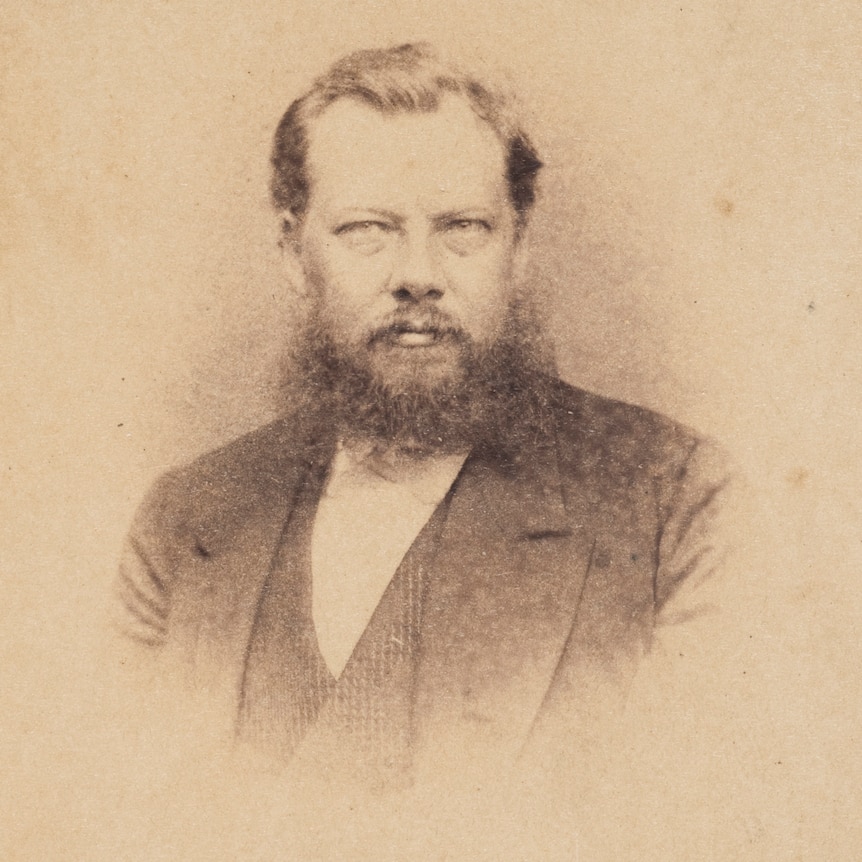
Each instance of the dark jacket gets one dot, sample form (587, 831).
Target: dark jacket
(558, 562)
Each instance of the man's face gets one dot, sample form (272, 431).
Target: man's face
(408, 241)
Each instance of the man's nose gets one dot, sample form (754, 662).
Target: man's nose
(417, 275)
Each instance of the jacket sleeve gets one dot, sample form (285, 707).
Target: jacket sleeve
(142, 598)
(697, 739)
(142, 587)
(698, 541)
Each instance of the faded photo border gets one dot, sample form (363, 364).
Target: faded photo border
(696, 238)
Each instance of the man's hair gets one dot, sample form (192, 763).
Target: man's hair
(409, 78)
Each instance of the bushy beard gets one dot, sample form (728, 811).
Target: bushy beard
(452, 397)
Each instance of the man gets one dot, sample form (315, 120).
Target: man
(441, 551)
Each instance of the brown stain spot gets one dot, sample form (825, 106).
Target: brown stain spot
(601, 559)
(798, 477)
(725, 206)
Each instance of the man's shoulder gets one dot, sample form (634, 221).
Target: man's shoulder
(615, 433)
(596, 435)
(236, 476)
(250, 452)
(595, 428)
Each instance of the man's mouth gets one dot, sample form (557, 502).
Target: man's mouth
(416, 338)
(414, 334)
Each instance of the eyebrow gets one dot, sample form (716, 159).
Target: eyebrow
(466, 214)
(361, 214)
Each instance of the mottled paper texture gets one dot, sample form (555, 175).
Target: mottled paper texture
(697, 238)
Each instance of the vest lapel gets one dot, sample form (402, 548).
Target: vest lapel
(502, 596)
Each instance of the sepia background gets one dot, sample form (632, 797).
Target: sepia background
(698, 232)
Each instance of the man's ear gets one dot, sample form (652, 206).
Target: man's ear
(291, 250)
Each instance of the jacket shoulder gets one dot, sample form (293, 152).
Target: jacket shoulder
(209, 497)
(190, 512)
(614, 436)
(198, 509)
(242, 467)
(654, 477)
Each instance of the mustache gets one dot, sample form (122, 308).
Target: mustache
(430, 321)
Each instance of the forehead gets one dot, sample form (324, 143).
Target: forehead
(359, 156)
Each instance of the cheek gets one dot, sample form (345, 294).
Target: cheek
(347, 293)
(483, 284)
(345, 281)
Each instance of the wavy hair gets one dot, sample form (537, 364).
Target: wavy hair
(408, 78)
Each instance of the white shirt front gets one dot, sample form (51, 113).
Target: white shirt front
(372, 508)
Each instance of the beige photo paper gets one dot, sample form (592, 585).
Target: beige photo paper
(429, 432)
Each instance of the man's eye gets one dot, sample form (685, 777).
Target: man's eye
(463, 224)
(464, 236)
(361, 227)
(367, 237)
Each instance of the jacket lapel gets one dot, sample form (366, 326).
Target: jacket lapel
(232, 546)
(501, 599)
